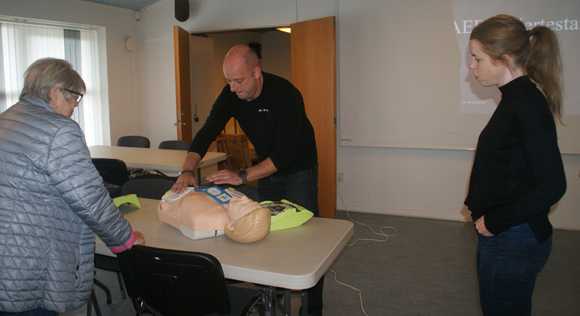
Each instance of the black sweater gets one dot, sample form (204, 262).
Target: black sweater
(275, 122)
(518, 172)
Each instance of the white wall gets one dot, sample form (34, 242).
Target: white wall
(411, 182)
(429, 183)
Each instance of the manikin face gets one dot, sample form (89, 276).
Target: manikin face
(485, 70)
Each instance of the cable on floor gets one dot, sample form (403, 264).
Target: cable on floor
(381, 232)
(352, 287)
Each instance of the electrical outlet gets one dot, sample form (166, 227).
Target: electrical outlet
(340, 176)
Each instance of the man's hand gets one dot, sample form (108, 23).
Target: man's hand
(184, 180)
(187, 179)
(224, 177)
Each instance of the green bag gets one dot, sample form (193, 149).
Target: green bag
(285, 214)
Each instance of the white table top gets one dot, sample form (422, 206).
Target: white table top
(294, 258)
(152, 158)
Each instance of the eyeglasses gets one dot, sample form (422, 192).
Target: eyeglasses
(78, 96)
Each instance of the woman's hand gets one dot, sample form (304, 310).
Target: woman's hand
(139, 238)
(481, 229)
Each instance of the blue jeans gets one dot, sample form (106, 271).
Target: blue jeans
(300, 188)
(34, 312)
(507, 267)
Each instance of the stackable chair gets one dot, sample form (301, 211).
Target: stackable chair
(111, 264)
(133, 141)
(179, 283)
(174, 144)
(114, 173)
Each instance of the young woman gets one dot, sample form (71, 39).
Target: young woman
(518, 172)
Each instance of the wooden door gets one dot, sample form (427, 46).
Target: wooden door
(313, 68)
(182, 83)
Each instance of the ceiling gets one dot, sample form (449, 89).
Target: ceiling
(127, 4)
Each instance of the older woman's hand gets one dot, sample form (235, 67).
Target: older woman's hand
(140, 239)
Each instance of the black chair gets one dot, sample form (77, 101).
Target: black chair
(175, 283)
(114, 173)
(174, 144)
(133, 141)
(108, 264)
(150, 188)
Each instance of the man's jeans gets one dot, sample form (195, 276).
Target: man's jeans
(300, 188)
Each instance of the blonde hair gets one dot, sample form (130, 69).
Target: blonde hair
(46, 73)
(537, 51)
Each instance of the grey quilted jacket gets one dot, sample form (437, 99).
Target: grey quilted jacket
(52, 202)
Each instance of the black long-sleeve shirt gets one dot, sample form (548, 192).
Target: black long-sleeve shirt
(275, 122)
(518, 172)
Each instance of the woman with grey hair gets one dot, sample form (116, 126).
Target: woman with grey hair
(52, 199)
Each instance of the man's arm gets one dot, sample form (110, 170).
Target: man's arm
(263, 169)
(257, 172)
(187, 178)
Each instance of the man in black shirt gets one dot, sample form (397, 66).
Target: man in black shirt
(270, 111)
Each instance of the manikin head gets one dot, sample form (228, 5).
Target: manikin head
(249, 221)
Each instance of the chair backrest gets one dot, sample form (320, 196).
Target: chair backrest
(175, 282)
(174, 144)
(133, 141)
(148, 188)
(113, 171)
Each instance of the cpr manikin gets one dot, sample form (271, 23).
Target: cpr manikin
(213, 212)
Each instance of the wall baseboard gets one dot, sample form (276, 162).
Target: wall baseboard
(439, 215)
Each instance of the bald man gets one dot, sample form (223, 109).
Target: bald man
(270, 111)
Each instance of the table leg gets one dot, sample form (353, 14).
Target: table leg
(287, 302)
(304, 304)
(273, 303)
(269, 297)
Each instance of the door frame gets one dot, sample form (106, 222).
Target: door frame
(182, 84)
